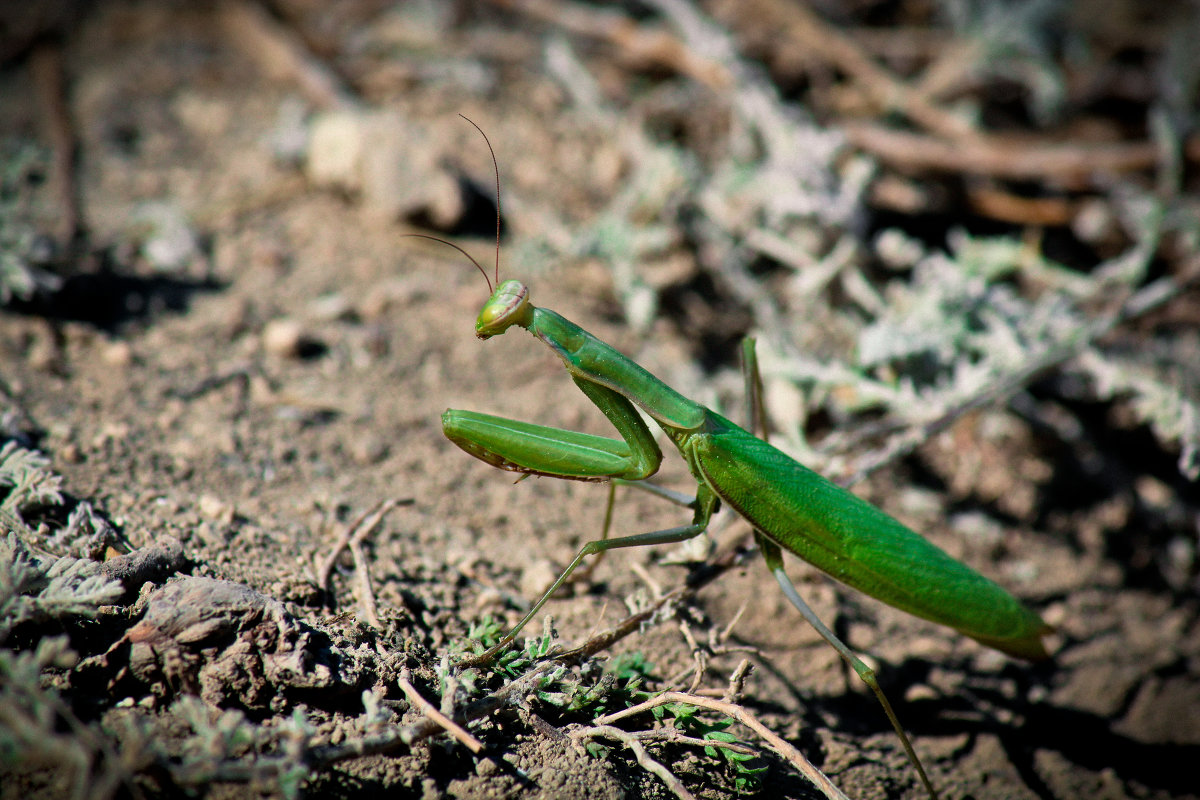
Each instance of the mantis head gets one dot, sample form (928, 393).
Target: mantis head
(509, 305)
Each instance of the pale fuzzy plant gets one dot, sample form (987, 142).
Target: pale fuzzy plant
(40, 735)
(21, 246)
(28, 474)
(34, 584)
(37, 727)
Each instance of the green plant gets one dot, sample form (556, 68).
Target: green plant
(747, 768)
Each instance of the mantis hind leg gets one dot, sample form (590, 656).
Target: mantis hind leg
(774, 557)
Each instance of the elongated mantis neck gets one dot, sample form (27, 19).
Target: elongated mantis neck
(509, 305)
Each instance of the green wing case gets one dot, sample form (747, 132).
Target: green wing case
(858, 544)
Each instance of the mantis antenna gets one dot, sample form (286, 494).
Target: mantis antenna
(496, 166)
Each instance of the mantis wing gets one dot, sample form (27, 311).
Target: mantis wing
(856, 543)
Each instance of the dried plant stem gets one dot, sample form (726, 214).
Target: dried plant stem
(1148, 298)
(46, 65)
(740, 714)
(393, 739)
(668, 735)
(281, 52)
(644, 760)
(362, 572)
(445, 723)
(638, 45)
(1000, 157)
(820, 41)
(351, 538)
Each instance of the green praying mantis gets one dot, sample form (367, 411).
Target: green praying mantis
(789, 506)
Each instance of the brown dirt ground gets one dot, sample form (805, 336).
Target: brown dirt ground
(258, 474)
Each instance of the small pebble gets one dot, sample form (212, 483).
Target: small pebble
(43, 354)
(335, 147)
(170, 244)
(374, 305)
(215, 536)
(369, 449)
(537, 577)
(378, 340)
(117, 354)
(235, 319)
(283, 337)
(216, 509)
(919, 692)
(331, 307)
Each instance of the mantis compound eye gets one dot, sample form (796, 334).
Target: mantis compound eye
(509, 305)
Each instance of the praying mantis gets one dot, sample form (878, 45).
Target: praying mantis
(789, 506)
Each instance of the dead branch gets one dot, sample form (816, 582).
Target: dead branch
(1067, 164)
(740, 714)
(643, 758)
(445, 723)
(283, 55)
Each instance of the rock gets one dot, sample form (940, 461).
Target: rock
(284, 337)
(391, 163)
(225, 642)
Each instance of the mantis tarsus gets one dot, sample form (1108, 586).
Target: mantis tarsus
(790, 507)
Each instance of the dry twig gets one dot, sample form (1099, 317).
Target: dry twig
(283, 55)
(352, 537)
(1068, 164)
(737, 681)
(819, 40)
(637, 45)
(362, 572)
(736, 712)
(46, 65)
(644, 760)
(441, 720)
